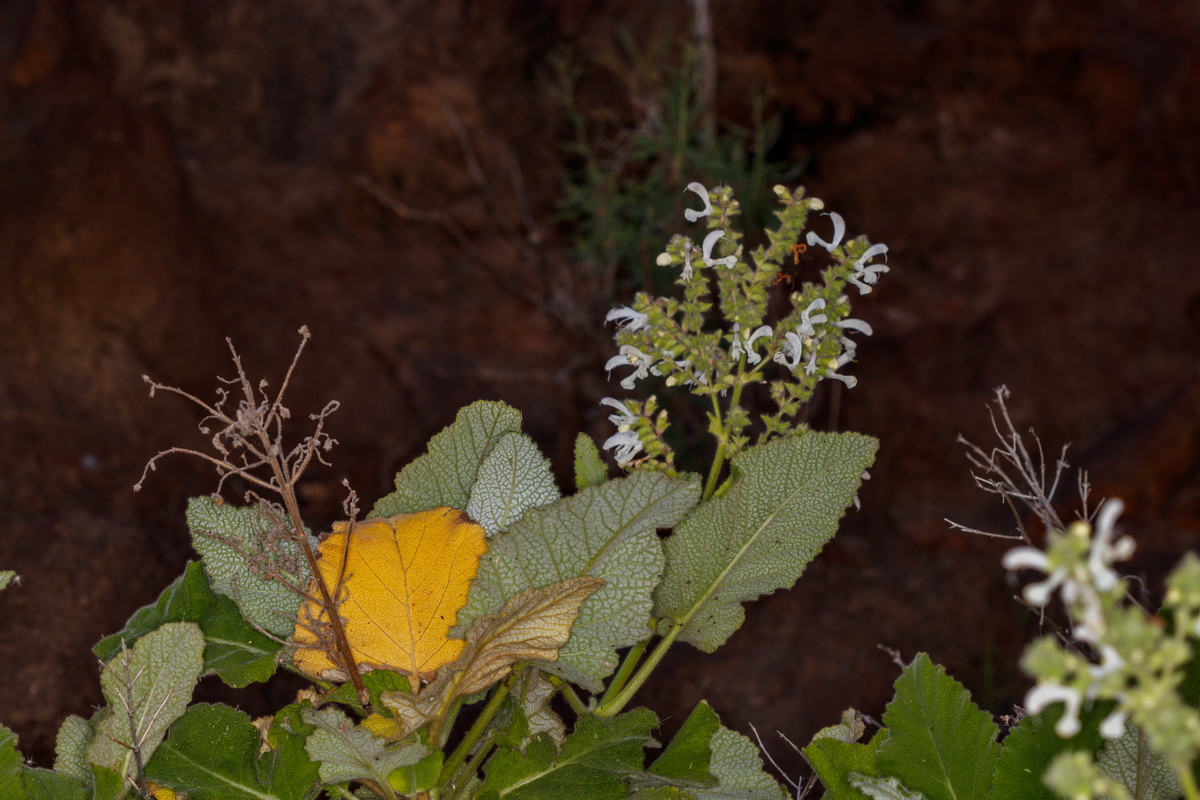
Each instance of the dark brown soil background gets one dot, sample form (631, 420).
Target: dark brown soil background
(173, 173)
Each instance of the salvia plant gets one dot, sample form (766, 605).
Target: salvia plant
(478, 635)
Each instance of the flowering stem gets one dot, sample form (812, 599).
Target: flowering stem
(1188, 781)
(714, 473)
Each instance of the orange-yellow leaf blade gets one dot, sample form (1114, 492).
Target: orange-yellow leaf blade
(405, 579)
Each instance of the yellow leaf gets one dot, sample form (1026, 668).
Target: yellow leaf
(406, 578)
(533, 625)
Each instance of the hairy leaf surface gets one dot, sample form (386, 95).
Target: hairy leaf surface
(782, 506)
(405, 579)
(445, 475)
(590, 469)
(224, 535)
(1030, 747)
(608, 532)
(513, 478)
(148, 687)
(348, 752)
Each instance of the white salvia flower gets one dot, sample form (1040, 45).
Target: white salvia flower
(664, 260)
(848, 352)
(689, 214)
(735, 352)
(627, 318)
(1104, 550)
(807, 322)
(839, 230)
(865, 275)
(630, 355)
(811, 367)
(816, 203)
(856, 325)
(789, 352)
(849, 380)
(1113, 726)
(752, 357)
(1047, 694)
(858, 503)
(1036, 594)
(687, 259)
(624, 418)
(710, 240)
(626, 444)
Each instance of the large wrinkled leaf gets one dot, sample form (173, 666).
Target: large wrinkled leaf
(348, 752)
(233, 649)
(406, 577)
(939, 742)
(533, 625)
(223, 535)
(608, 532)
(513, 478)
(445, 475)
(148, 687)
(783, 506)
(738, 768)
(595, 762)
(213, 754)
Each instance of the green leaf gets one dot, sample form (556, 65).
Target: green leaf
(590, 469)
(348, 752)
(445, 475)
(233, 649)
(939, 742)
(608, 532)
(834, 761)
(594, 762)
(7, 576)
(1030, 748)
(883, 788)
(11, 765)
(513, 478)
(148, 687)
(738, 768)
(70, 748)
(1145, 773)
(219, 532)
(783, 505)
(377, 681)
(688, 755)
(212, 754)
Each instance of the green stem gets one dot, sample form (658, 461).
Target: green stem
(627, 666)
(485, 718)
(568, 691)
(613, 707)
(714, 472)
(1188, 781)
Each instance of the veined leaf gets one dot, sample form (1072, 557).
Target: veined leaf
(513, 478)
(7, 576)
(533, 625)
(783, 505)
(148, 688)
(939, 742)
(219, 532)
(405, 579)
(1144, 772)
(445, 475)
(233, 649)
(594, 762)
(738, 768)
(349, 752)
(590, 469)
(213, 754)
(883, 788)
(10, 766)
(70, 748)
(689, 754)
(608, 532)
(1030, 748)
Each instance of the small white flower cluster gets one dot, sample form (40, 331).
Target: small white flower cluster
(625, 443)
(865, 274)
(1081, 585)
